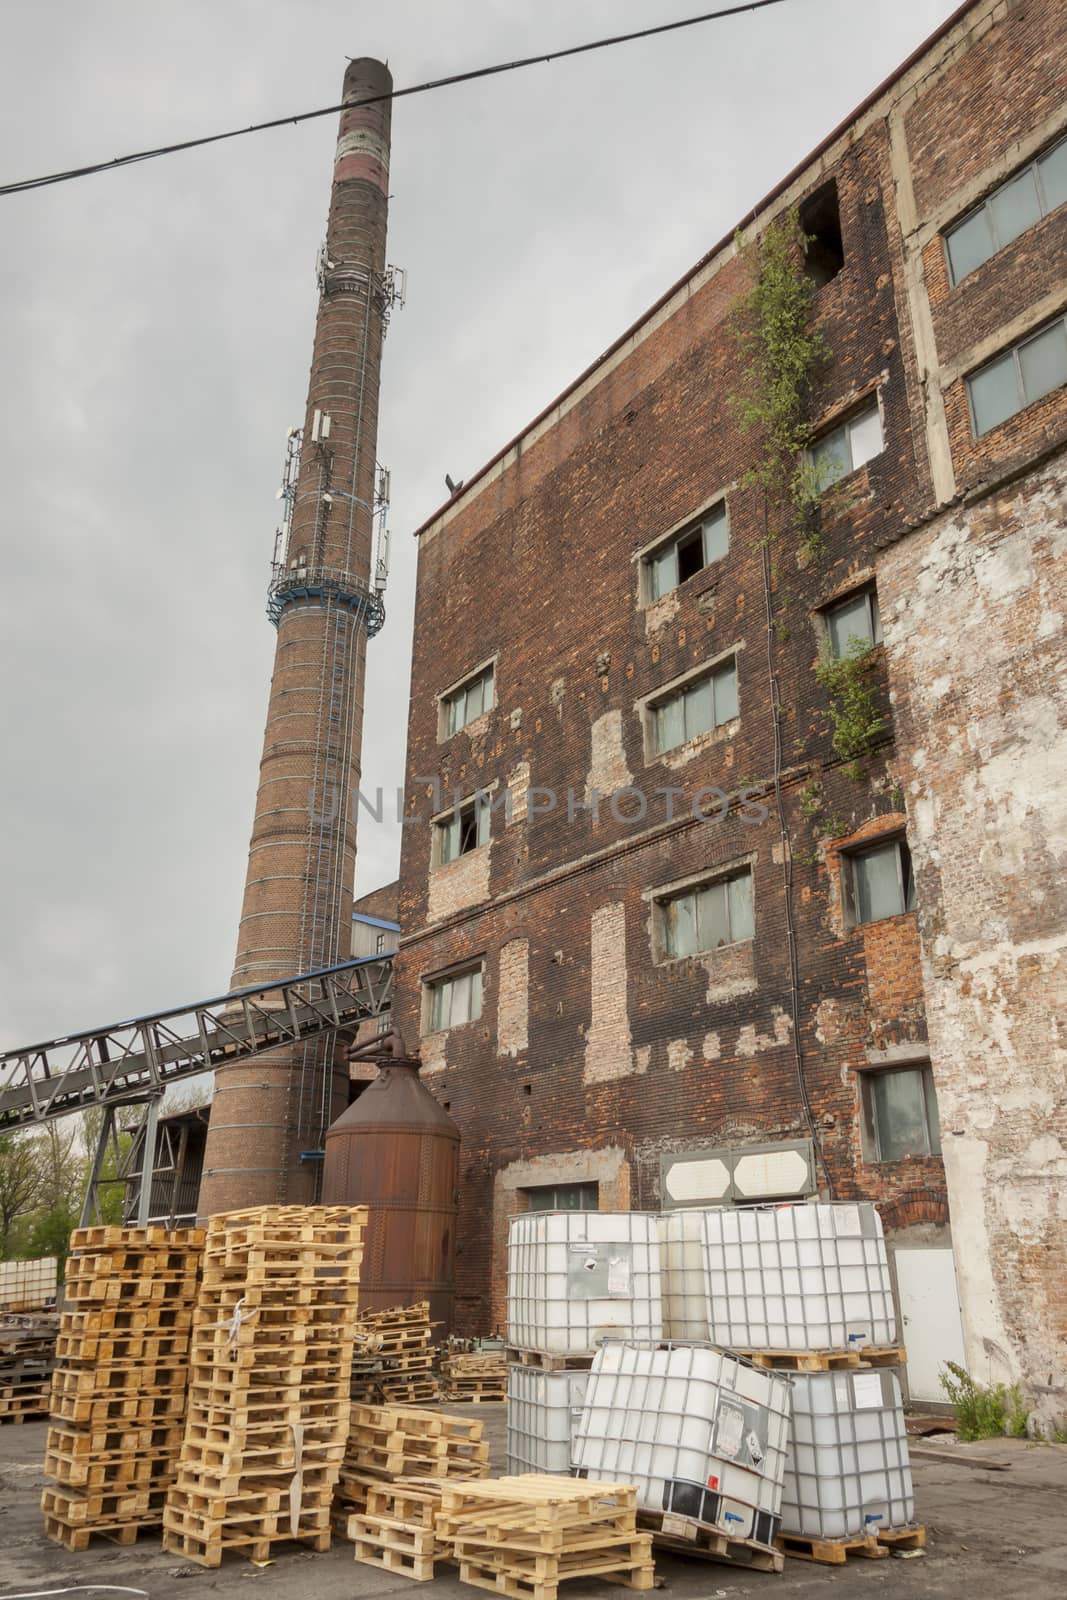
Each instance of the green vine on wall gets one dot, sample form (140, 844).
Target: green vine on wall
(855, 716)
(781, 350)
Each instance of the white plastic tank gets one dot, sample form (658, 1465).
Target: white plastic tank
(576, 1277)
(797, 1277)
(543, 1412)
(683, 1260)
(847, 1470)
(701, 1434)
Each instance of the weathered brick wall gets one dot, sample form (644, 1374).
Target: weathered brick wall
(973, 608)
(538, 566)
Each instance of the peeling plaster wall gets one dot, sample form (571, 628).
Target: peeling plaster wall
(608, 771)
(973, 611)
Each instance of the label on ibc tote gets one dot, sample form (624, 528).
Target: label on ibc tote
(867, 1390)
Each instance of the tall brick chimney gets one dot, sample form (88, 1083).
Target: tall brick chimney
(296, 915)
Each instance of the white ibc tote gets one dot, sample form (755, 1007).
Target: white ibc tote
(683, 1258)
(797, 1277)
(576, 1277)
(847, 1471)
(543, 1412)
(700, 1433)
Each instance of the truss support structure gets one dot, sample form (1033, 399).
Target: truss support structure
(134, 1061)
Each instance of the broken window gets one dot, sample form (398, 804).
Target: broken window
(900, 1113)
(456, 1000)
(564, 1197)
(1006, 213)
(847, 446)
(465, 830)
(878, 882)
(820, 222)
(708, 916)
(462, 705)
(695, 548)
(1030, 369)
(853, 625)
(702, 705)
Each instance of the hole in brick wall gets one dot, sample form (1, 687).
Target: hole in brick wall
(527, 1088)
(448, 1105)
(820, 218)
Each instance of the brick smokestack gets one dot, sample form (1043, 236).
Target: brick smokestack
(297, 909)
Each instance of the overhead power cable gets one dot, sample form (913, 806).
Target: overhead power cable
(24, 184)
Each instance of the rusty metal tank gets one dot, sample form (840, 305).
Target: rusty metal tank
(396, 1150)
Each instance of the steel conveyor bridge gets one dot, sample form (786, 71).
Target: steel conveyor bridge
(133, 1062)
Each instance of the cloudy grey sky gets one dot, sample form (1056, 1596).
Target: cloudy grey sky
(156, 336)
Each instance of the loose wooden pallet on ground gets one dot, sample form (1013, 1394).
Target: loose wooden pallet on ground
(23, 1407)
(541, 1581)
(826, 1360)
(395, 1546)
(79, 1538)
(685, 1535)
(835, 1552)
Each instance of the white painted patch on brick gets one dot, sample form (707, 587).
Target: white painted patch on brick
(432, 1051)
(608, 771)
(608, 1043)
(461, 883)
(518, 788)
(750, 1042)
(661, 612)
(679, 1054)
(711, 1047)
(512, 1017)
(731, 972)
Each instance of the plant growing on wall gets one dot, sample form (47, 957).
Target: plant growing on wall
(855, 716)
(781, 351)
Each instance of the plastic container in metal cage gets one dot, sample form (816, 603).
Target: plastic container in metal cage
(847, 1471)
(797, 1277)
(543, 1412)
(576, 1277)
(701, 1433)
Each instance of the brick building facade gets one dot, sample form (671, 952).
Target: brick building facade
(683, 954)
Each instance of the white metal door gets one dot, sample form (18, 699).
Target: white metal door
(930, 1312)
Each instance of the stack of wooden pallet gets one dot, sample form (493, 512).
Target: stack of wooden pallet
(118, 1390)
(270, 1363)
(27, 1355)
(523, 1536)
(474, 1375)
(390, 1485)
(394, 1356)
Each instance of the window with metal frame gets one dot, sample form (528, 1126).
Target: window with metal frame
(853, 624)
(689, 552)
(877, 882)
(463, 705)
(564, 1197)
(707, 916)
(1018, 376)
(703, 704)
(455, 1000)
(379, 945)
(843, 449)
(1035, 192)
(465, 830)
(900, 1113)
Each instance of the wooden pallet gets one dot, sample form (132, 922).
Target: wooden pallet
(396, 1546)
(540, 1503)
(78, 1538)
(23, 1405)
(826, 1360)
(865, 1547)
(549, 1360)
(687, 1536)
(474, 1391)
(539, 1577)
